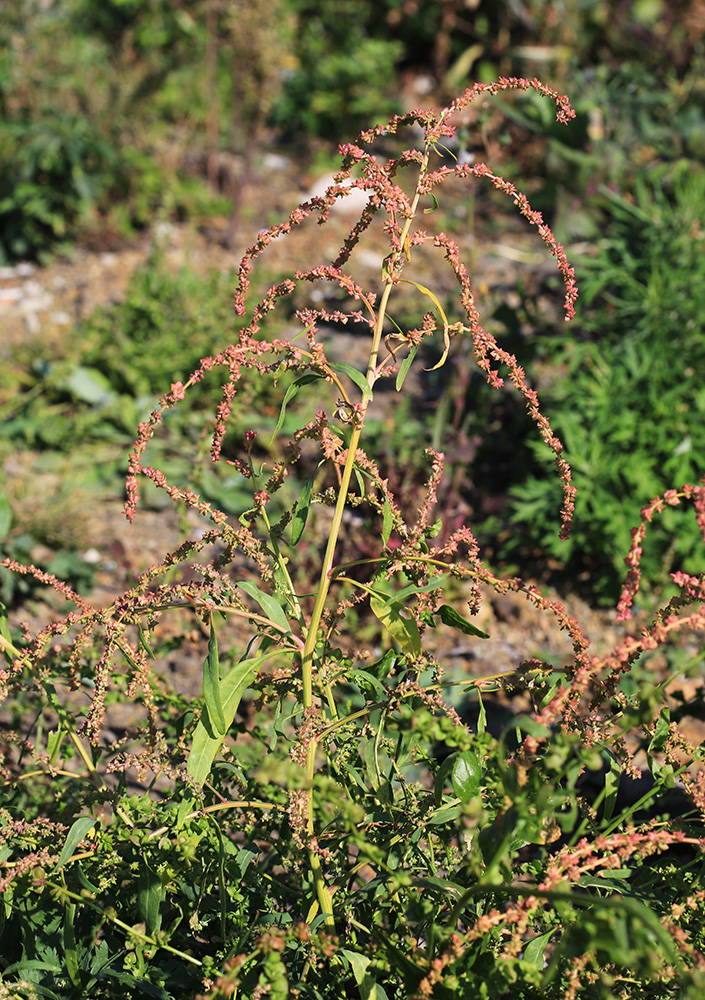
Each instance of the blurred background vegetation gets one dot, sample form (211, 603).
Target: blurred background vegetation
(118, 114)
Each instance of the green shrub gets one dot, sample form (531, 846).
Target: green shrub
(629, 400)
(53, 172)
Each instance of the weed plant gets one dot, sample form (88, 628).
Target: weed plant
(321, 823)
(629, 408)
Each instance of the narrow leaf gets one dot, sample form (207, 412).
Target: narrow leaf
(360, 482)
(149, 898)
(405, 366)
(481, 715)
(293, 389)
(207, 743)
(427, 211)
(441, 313)
(357, 377)
(5, 516)
(80, 829)
(143, 642)
(211, 685)
(611, 787)
(271, 607)
(298, 521)
(449, 616)
(386, 521)
(435, 583)
(70, 951)
(54, 740)
(404, 631)
(7, 646)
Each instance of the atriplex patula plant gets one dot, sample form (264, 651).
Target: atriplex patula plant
(323, 823)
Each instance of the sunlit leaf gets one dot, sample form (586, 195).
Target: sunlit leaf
(404, 631)
(290, 393)
(386, 521)
(357, 377)
(206, 742)
(298, 521)
(405, 366)
(449, 616)
(211, 685)
(466, 775)
(271, 607)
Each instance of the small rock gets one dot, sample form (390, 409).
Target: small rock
(32, 323)
(60, 318)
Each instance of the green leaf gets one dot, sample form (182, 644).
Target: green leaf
(446, 814)
(5, 633)
(371, 766)
(442, 775)
(70, 952)
(360, 482)
(405, 366)
(211, 685)
(292, 391)
(88, 385)
(442, 885)
(449, 616)
(435, 583)
(55, 738)
(533, 953)
(466, 775)
(369, 988)
(481, 715)
(441, 313)
(427, 211)
(78, 832)
(271, 607)
(611, 787)
(298, 521)
(149, 898)
(207, 743)
(5, 516)
(357, 377)
(386, 521)
(404, 631)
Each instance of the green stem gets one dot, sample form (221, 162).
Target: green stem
(307, 658)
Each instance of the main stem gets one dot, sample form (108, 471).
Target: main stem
(322, 890)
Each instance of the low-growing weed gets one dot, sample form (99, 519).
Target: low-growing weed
(322, 823)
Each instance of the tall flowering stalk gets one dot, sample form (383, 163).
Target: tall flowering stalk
(365, 839)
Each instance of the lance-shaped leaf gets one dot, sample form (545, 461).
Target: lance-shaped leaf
(405, 366)
(441, 313)
(357, 377)
(206, 741)
(211, 685)
(449, 616)
(386, 521)
(149, 898)
(79, 830)
(293, 389)
(298, 521)
(271, 607)
(404, 631)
